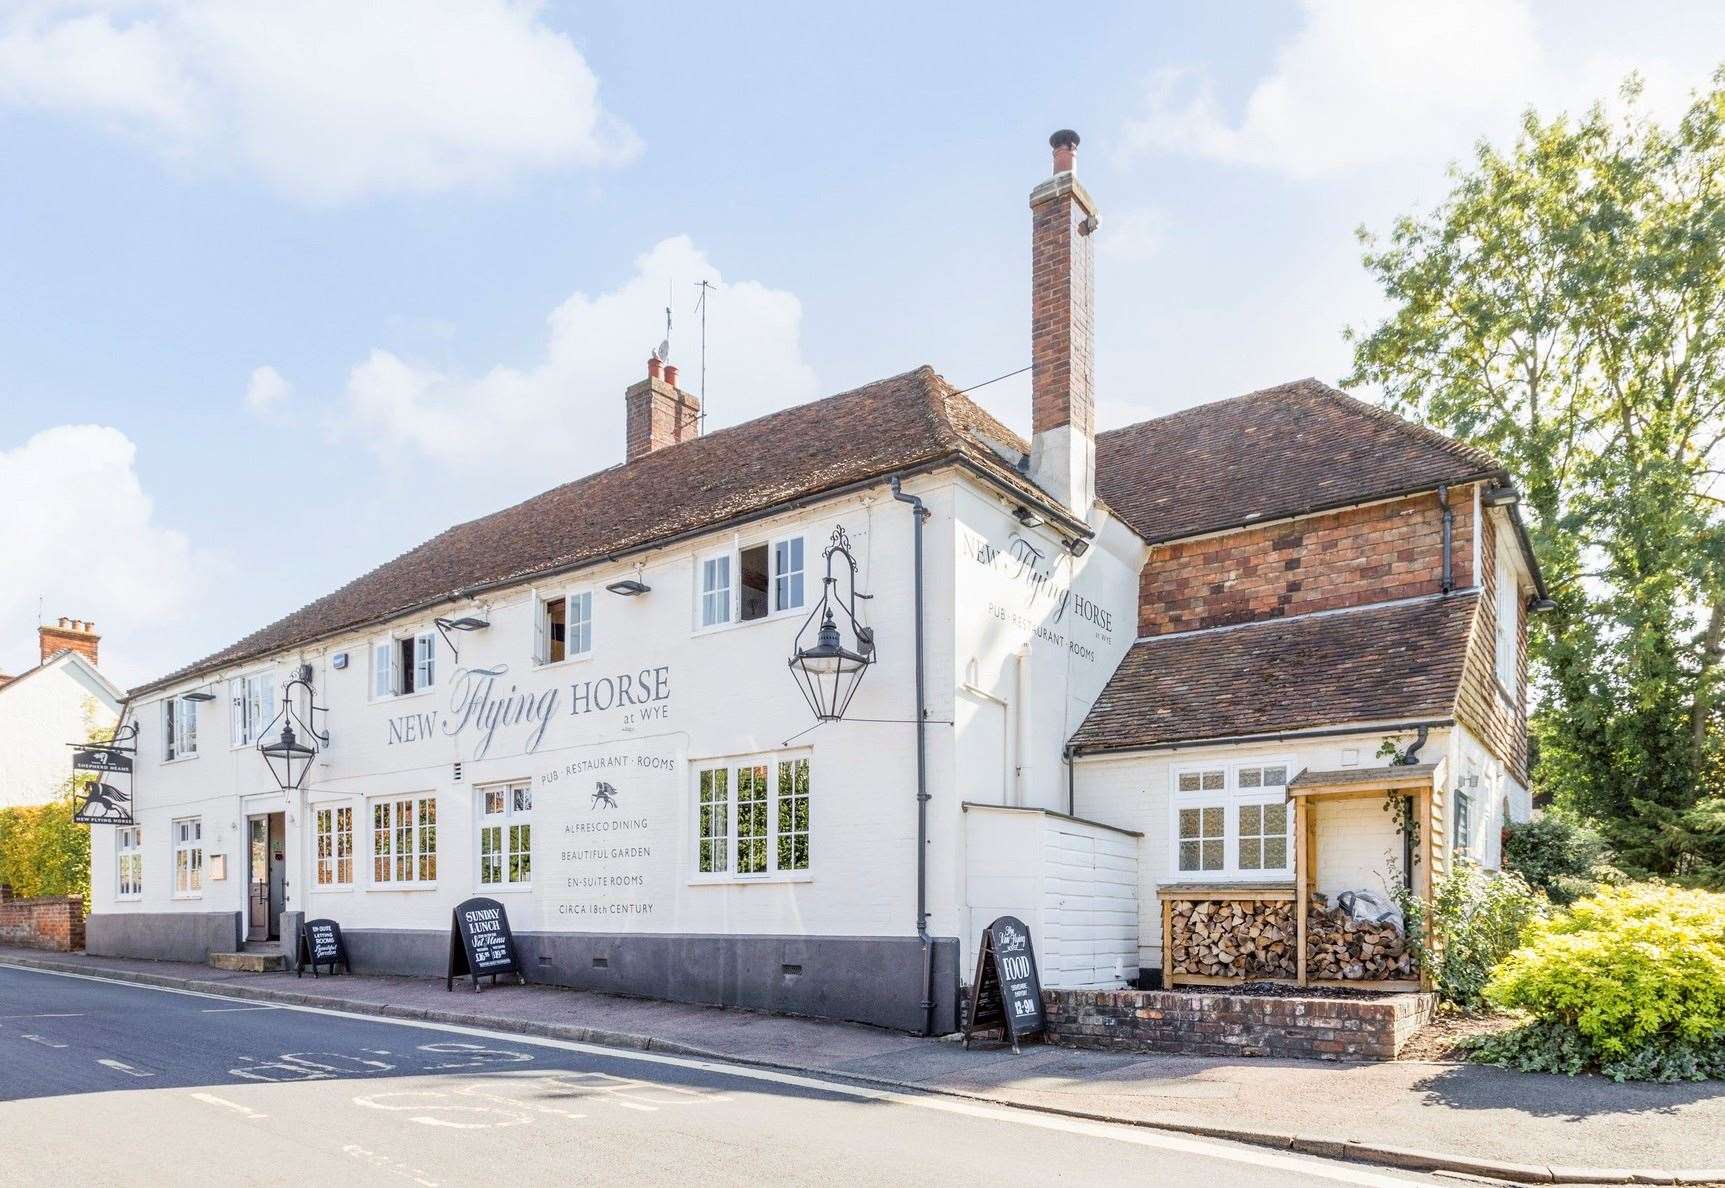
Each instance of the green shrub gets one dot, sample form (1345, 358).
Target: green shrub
(1558, 857)
(43, 852)
(1630, 980)
(1477, 918)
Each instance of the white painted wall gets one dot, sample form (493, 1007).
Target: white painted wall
(1357, 845)
(1074, 882)
(40, 713)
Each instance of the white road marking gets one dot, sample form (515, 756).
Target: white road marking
(235, 1106)
(45, 1043)
(122, 1066)
(386, 1163)
(1117, 1132)
(228, 1010)
(47, 1015)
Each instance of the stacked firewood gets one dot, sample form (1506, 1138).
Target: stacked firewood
(1342, 948)
(1233, 938)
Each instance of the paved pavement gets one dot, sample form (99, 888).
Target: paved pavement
(108, 1082)
(1464, 1112)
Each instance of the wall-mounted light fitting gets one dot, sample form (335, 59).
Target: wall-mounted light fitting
(1505, 495)
(1028, 518)
(1078, 546)
(465, 623)
(1538, 606)
(628, 587)
(199, 695)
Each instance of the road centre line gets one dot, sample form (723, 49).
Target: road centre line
(1117, 1132)
(46, 1043)
(122, 1066)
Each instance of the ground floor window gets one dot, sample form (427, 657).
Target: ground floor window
(188, 833)
(404, 840)
(506, 835)
(129, 862)
(1232, 821)
(333, 826)
(752, 817)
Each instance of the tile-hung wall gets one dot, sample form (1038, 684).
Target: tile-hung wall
(645, 765)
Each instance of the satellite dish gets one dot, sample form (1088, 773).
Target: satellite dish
(662, 352)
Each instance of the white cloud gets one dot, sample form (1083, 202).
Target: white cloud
(563, 417)
(327, 100)
(81, 535)
(267, 391)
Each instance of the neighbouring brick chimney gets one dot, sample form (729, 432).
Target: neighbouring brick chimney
(78, 635)
(658, 412)
(1062, 332)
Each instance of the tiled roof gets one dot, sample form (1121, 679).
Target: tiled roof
(1394, 662)
(1288, 450)
(1362, 777)
(888, 426)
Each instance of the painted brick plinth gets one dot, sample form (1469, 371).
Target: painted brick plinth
(1189, 1023)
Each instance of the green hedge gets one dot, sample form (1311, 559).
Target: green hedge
(42, 852)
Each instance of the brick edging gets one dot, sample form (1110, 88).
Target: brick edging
(1411, 1159)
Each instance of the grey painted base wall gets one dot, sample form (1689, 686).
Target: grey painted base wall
(859, 979)
(162, 936)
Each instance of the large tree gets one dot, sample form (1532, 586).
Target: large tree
(1564, 307)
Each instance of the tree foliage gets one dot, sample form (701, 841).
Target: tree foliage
(1564, 308)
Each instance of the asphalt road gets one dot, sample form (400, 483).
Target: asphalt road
(109, 1082)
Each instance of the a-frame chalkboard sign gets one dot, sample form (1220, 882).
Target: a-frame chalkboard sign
(1006, 993)
(480, 943)
(320, 943)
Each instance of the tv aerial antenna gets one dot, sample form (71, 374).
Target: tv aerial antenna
(706, 287)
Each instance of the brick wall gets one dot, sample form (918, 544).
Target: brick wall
(1361, 555)
(1497, 720)
(56, 924)
(1197, 1024)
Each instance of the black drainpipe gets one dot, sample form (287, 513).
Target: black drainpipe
(918, 515)
(1448, 537)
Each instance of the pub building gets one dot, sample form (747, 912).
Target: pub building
(782, 715)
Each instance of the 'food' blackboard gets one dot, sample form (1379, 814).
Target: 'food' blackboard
(480, 943)
(1007, 992)
(320, 943)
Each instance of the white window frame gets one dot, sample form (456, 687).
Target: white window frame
(331, 860)
(1231, 797)
(509, 817)
(179, 729)
(706, 568)
(251, 707)
(386, 664)
(577, 630)
(787, 586)
(1508, 616)
(413, 876)
(129, 861)
(186, 834)
(780, 823)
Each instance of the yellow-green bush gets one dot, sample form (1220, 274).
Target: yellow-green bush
(43, 852)
(1631, 980)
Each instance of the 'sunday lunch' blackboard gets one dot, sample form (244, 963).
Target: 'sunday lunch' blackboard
(480, 943)
(320, 943)
(1006, 993)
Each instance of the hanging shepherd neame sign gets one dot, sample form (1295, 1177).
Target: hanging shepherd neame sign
(1007, 992)
(106, 787)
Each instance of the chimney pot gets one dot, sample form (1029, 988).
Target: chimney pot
(671, 374)
(653, 366)
(1065, 145)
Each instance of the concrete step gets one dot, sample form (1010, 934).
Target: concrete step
(251, 962)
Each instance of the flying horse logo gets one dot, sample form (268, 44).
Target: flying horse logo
(105, 800)
(604, 795)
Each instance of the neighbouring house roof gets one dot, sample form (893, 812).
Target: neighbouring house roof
(68, 658)
(1396, 662)
(1289, 450)
(893, 425)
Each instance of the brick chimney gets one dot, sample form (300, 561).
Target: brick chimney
(658, 412)
(1062, 332)
(78, 635)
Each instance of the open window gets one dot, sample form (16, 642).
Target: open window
(404, 665)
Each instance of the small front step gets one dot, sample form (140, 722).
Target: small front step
(249, 962)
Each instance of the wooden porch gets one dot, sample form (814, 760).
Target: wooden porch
(1259, 913)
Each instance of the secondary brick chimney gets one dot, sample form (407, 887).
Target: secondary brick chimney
(659, 413)
(78, 635)
(1062, 332)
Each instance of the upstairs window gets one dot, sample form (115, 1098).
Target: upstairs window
(551, 638)
(715, 591)
(405, 665)
(788, 573)
(251, 707)
(179, 729)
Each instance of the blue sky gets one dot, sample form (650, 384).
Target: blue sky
(286, 289)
